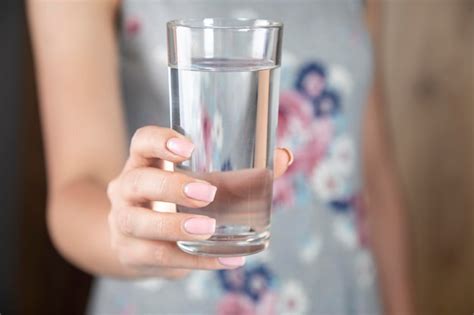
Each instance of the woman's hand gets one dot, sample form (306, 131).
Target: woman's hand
(145, 240)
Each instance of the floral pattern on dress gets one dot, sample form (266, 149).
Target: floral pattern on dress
(132, 25)
(311, 123)
(293, 299)
(248, 290)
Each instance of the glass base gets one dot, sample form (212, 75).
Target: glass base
(227, 245)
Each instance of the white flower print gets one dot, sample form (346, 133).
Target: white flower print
(196, 284)
(311, 250)
(152, 284)
(343, 154)
(365, 269)
(327, 181)
(340, 78)
(293, 299)
(344, 231)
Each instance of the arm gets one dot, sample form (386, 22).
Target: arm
(99, 199)
(386, 211)
(76, 62)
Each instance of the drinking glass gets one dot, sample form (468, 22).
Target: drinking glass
(224, 88)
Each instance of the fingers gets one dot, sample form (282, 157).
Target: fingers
(283, 159)
(149, 184)
(151, 254)
(153, 142)
(144, 223)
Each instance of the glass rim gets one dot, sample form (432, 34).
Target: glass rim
(225, 23)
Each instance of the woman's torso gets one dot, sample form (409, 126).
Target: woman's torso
(317, 262)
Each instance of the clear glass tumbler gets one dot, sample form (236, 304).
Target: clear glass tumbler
(224, 88)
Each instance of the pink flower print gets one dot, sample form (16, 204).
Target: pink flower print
(133, 26)
(294, 115)
(296, 122)
(283, 192)
(308, 156)
(312, 140)
(267, 304)
(235, 304)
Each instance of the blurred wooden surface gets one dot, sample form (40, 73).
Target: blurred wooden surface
(429, 66)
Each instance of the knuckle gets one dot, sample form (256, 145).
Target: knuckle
(161, 256)
(112, 189)
(124, 222)
(140, 137)
(162, 183)
(140, 133)
(133, 183)
(159, 226)
(110, 219)
(114, 242)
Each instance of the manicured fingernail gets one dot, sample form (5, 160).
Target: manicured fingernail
(291, 157)
(180, 147)
(200, 225)
(200, 191)
(232, 261)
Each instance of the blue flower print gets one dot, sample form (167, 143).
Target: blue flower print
(232, 280)
(311, 80)
(253, 282)
(257, 281)
(327, 104)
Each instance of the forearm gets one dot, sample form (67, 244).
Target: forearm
(77, 219)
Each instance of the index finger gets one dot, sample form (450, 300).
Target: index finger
(152, 142)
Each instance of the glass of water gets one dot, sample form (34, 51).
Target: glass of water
(224, 88)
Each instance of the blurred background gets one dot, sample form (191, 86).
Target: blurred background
(428, 59)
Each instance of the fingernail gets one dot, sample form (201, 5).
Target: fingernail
(200, 191)
(291, 157)
(232, 261)
(200, 225)
(180, 147)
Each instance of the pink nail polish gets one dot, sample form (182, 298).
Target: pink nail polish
(180, 147)
(200, 191)
(232, 261)
(200, 226)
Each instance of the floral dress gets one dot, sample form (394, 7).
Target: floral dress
(319, 260)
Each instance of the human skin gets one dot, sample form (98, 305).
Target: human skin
(100, 191)
(100, 188)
